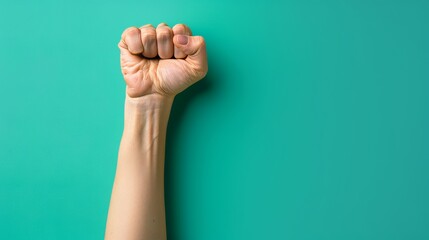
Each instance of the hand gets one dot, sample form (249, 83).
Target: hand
(147, 59)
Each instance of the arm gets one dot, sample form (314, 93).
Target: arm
(137, 209)
(137, 203)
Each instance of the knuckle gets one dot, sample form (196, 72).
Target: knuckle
(164, 35)
(200, 41)
(148, 36)
(179, 28)
(147, 26)
(162, 24)
(148, 31)
(131, 31)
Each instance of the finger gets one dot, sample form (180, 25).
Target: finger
(131, 40)
(164, 37)
(180, 29)
(148, 38)
(195, 49)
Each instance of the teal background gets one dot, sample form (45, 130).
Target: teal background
(312, 122)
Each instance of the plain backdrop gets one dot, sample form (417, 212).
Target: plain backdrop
(312, 122)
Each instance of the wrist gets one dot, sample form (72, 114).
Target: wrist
(147, 115)
(149, 102)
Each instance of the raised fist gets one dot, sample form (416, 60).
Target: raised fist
(161, 60)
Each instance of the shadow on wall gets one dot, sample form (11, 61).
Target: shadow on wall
(173, 203)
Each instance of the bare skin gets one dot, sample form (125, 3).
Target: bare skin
(157, 64)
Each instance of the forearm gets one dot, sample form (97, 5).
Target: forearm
(137, 209)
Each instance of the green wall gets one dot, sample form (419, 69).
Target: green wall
(312, 123)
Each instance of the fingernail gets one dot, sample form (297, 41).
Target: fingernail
(182, 39)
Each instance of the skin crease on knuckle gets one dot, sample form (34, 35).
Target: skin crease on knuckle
(149, 41)
(164, 35)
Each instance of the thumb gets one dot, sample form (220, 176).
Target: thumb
(195, 49)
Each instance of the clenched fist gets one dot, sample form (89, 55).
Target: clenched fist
(161, 60)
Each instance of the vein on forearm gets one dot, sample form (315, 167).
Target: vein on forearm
(144, 133)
